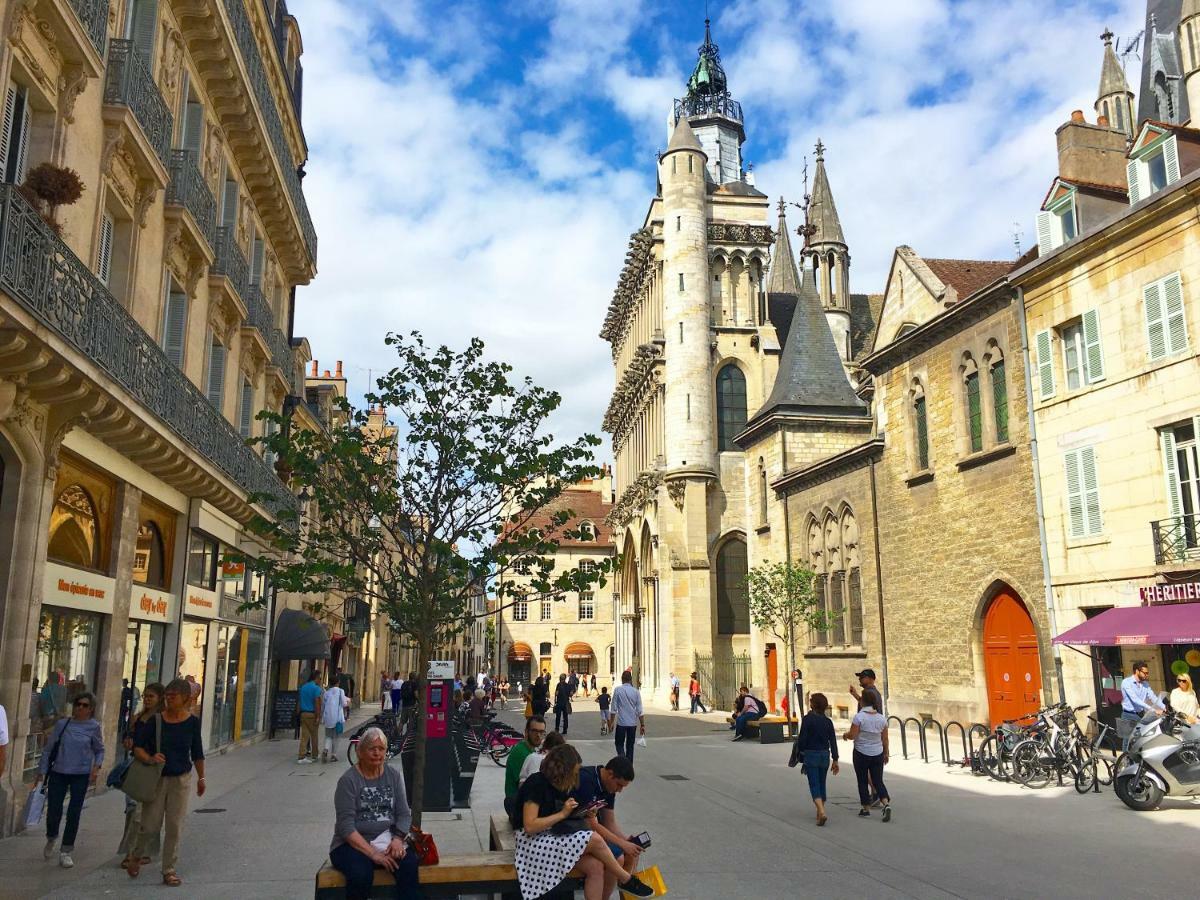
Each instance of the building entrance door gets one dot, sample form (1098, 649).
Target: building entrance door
(1010, 659)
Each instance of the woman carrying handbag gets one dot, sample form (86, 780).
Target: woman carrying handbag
(171, 742)
(70, 762)
(152, 699)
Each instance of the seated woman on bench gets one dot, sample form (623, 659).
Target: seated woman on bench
(373, 819)
(550, 842)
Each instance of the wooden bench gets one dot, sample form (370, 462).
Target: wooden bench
(769, 728)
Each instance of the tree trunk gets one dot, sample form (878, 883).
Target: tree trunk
(795, 704)
(418, 777)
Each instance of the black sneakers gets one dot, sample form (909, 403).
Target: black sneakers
(637, 887)
(864, 814)
(887, 813)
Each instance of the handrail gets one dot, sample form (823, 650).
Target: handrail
(189, 190)
(94, 16)
(1176, 539)
(129, 83)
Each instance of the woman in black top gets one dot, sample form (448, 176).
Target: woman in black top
(816, 745)
(181, 749)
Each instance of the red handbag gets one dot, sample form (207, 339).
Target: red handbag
(422, 844)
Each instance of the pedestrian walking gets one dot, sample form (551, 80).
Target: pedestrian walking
(816, 746)
(573, 683)
(605, 700)
(70, 762)
(694, 693)
(408, 698)
(869, 731)
(333, 717)
(181, 750)
(562, 705)
(385, 691)
(310, 715)
(371, 820)
(397, 692)
(674, 692)
(593, 682)
(504, 694)
(152, 705)
(869, 696)
(626, 715)
(540, 691)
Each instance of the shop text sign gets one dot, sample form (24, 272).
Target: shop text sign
(201, 603)
(1180, 592)
(77, 589)
(440, 669)
(150, 605)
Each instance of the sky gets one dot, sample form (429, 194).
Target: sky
(476, 167)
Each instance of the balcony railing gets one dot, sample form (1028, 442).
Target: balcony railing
(94, 16)
(266, 103)
(130, 84)
(189, 190)
(41, 274)
(709, 105)
(1176, 540)
(277, 341)
(230, 262)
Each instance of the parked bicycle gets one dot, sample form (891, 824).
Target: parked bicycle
(1059, 748)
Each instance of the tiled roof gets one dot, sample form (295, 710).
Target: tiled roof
(967, 276)
(586, 506)
(864, 319)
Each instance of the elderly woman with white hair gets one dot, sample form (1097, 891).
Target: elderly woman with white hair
(372, 820)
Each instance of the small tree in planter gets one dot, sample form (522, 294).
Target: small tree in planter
(48, 187)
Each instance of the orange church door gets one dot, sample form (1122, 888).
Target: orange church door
(1010, 659)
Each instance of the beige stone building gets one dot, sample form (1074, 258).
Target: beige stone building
(577, 632)
(142, 327)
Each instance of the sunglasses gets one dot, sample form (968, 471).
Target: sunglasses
(84, 704)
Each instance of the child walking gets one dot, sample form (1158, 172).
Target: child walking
(604, 699)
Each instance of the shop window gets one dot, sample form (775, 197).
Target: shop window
(66, 656)
(148, 557)
(733, 604)
(202, 562)
(75, 529)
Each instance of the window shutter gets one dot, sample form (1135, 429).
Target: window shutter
(1093, 358)
(175, 327)
(230, 204)
(216, 373)
(247, 408)
(1175, 322)
(22, 143)
(1045, 365)
(1091, 489)
(1131, 175)
(268, 454)
(142, 27)
(1156, 338)
(1075, 519)
(1171, 158)
(1171, 470)
(104, 251)
(10, 111)
(193, 127)
(1044, 239)
(256, 261)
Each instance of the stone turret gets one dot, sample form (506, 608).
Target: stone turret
(1189, 46)
(689, 401)
(1114, 100)
(825, 248)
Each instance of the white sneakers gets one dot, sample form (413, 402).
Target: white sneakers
(50, 848)
(304, 761)
(64, 860)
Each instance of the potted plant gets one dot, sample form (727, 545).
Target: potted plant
(48, 187)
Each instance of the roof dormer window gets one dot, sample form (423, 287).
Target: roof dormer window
(1058, 222)
(1154, 165)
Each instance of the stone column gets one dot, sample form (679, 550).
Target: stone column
(126, 515)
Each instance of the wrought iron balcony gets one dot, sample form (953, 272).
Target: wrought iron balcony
(709, 105)
(248, 46)
(42, 275)
(189, 190)
(130, 84)
(94, 16)
(1176, 540)
(230, 262)
(276, 340)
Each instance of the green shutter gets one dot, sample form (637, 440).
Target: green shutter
(1045, 365)
(1091, 489)
(1131, 175)
(216, 374)
(175, 327)
(1171, 470)
(142, 28)
(922, 434)
(1093, 358)
(1156, 338)
(1171, 159)
(1044, 234)
(1174, 319)
(974, 412)
(247, 408)
(1000, 401)
(1076, 526)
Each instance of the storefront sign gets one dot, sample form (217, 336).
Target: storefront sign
(77, 589)
(150, 605)
(232, 570)
(1138, 640)
(201, 603)
(440, 668)
(1180, 592)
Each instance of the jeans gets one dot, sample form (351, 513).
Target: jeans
(626, 735)
(869, 767)
(360, 873)
(57, 786)
(1125, 726)
(561, 720)
(816, 767)
(696, 701)
(395, 692)
(739, 725)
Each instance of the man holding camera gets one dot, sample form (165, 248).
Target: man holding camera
(601, 784)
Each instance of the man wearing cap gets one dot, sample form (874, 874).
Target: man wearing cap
(870, 695)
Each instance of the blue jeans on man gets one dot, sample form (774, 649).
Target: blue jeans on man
(739, 724)
(625, 738)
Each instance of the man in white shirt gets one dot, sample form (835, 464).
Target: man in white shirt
(626, 716)
(3, 739)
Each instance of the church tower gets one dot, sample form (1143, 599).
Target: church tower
(1115, 100)
(715, 116)
(825, 248)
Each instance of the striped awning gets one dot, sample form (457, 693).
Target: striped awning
(520, 652)
(579, 650)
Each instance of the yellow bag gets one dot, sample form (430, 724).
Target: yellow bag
(528, 708)
(653, 877)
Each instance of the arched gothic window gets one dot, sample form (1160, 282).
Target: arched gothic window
(75, 534)
(835, 595)
(920, 418)
(973, 403)
(731, 406)
(999, 386)
(733, 604)
(851, 558)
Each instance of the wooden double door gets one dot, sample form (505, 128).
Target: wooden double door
(1012, 661)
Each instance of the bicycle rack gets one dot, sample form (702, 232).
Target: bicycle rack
(962, 732)
(920, 736)
(983, 729)
(942, 745)
(903, 738)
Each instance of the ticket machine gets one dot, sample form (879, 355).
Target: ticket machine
(439, 710)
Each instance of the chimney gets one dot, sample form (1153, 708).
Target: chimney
(314, 369)
(1102, 121)
(339, 368)
(326, 375)
(1093, 153)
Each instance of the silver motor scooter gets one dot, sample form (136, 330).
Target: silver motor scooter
(1164, 759)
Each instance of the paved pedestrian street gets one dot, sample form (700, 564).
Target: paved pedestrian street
(727, 820)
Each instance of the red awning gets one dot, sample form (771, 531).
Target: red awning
(1169, 623)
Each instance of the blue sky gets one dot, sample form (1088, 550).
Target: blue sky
(476, 167)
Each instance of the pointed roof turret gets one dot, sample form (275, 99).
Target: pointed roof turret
(784, 278)
(824, 226)
(1112, 76)
(708, 78)
(683, 137)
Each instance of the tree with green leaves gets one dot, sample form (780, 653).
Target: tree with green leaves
(453, 496)
(784, 601)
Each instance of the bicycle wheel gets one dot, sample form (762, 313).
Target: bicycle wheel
(1029, 765)
(352, 752)
(1085, 777)
(1104, 770)
(991, 760)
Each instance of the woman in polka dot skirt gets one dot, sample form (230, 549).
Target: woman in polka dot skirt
(551, 842)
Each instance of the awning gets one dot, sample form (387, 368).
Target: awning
(579, 650)
(1169, 623)
(299, 636)
(520, 652)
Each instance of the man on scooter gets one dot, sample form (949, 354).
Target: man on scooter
(1137, 699)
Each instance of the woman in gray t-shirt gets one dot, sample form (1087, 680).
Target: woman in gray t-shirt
(372, 820)
(869, 731)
